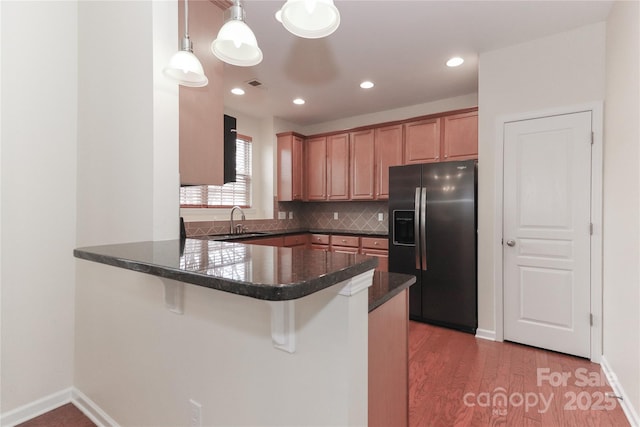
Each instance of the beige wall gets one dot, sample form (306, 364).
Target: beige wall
(557, 71)
(621, 276)
(38, 176)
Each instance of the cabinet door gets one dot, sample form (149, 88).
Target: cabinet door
(316, 170)
(338, 167)
(297, 176)
(285, 167)
(422, 141)
(461, 136)
(382, 255)
(362, 165)
(201, 118)
(388, 143)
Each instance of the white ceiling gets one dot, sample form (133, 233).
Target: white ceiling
(400, 45)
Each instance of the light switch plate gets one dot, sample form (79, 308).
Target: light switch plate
(380, 216)
(282, 215)
(335, 215)
(290, 215)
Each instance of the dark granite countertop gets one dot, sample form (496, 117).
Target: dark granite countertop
(262, 272)
(386, 286)
(274, 233)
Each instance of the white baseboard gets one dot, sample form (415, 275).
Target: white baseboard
(486, 334)
(53, 401)
(35, 408)
(92, 410)
(625, 403)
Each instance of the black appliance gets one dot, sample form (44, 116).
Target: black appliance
(433, 236)
(230, 135)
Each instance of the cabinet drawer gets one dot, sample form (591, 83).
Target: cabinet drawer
(320, 239)
(375, 243)
(344, 249)
(351, 241)
(295, 240)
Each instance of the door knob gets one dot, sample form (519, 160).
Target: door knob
(511, 243)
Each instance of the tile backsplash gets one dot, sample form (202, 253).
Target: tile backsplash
(352, 217)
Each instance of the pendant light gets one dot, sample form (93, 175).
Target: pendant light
(310, 19)
(184, 67)
(236, 44)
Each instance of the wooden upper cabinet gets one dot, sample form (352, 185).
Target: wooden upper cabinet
(460, 140)
(362, 165)
(201, 109)
(316, 168)
(338, 167)
(388, 150)
(290, 167)
(422, 141)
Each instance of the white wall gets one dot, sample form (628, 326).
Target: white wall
(142, 364)
(557, 71)
(621, 276)
(458, 102)
(39, 119)
(118, 158)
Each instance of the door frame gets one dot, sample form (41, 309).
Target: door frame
(596, 110)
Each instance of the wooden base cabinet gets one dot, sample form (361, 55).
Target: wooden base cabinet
(389, 363)
(377, 247)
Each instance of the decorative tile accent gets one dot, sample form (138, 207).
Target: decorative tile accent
(352, 217)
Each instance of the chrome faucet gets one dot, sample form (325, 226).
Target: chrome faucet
(237, 229)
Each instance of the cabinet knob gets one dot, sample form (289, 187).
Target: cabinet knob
(375, 243)
(344, 241)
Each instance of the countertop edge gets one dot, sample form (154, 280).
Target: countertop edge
(402, 282)
(252, 290)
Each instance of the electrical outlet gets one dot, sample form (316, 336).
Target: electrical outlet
(290, 215)
(335, 215)
(282, 215)
(380, 216)
(195, 418)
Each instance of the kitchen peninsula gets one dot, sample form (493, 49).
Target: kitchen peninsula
(267, 333)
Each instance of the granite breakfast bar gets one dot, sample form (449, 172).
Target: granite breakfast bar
(268, 336)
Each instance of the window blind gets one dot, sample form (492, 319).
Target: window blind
(231, 194)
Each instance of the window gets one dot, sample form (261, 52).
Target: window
(223, 196)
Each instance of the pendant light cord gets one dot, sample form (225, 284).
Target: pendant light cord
(186, 19)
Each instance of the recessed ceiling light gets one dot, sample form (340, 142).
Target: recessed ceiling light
(366, 84)
(455, 61)
(237, 91)
(298, 101)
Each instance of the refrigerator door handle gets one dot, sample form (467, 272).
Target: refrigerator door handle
(416, 227)
(423, 228)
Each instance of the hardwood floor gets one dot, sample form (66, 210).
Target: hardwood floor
(64, 416)
(458, 380)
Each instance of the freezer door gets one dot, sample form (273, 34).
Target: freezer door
(403, 181)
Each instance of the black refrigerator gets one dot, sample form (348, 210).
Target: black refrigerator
(433, 236)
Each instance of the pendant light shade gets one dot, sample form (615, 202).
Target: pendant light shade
(184, 67)
(311, 19)
(236, 44)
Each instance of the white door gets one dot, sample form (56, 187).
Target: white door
(546, 235)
